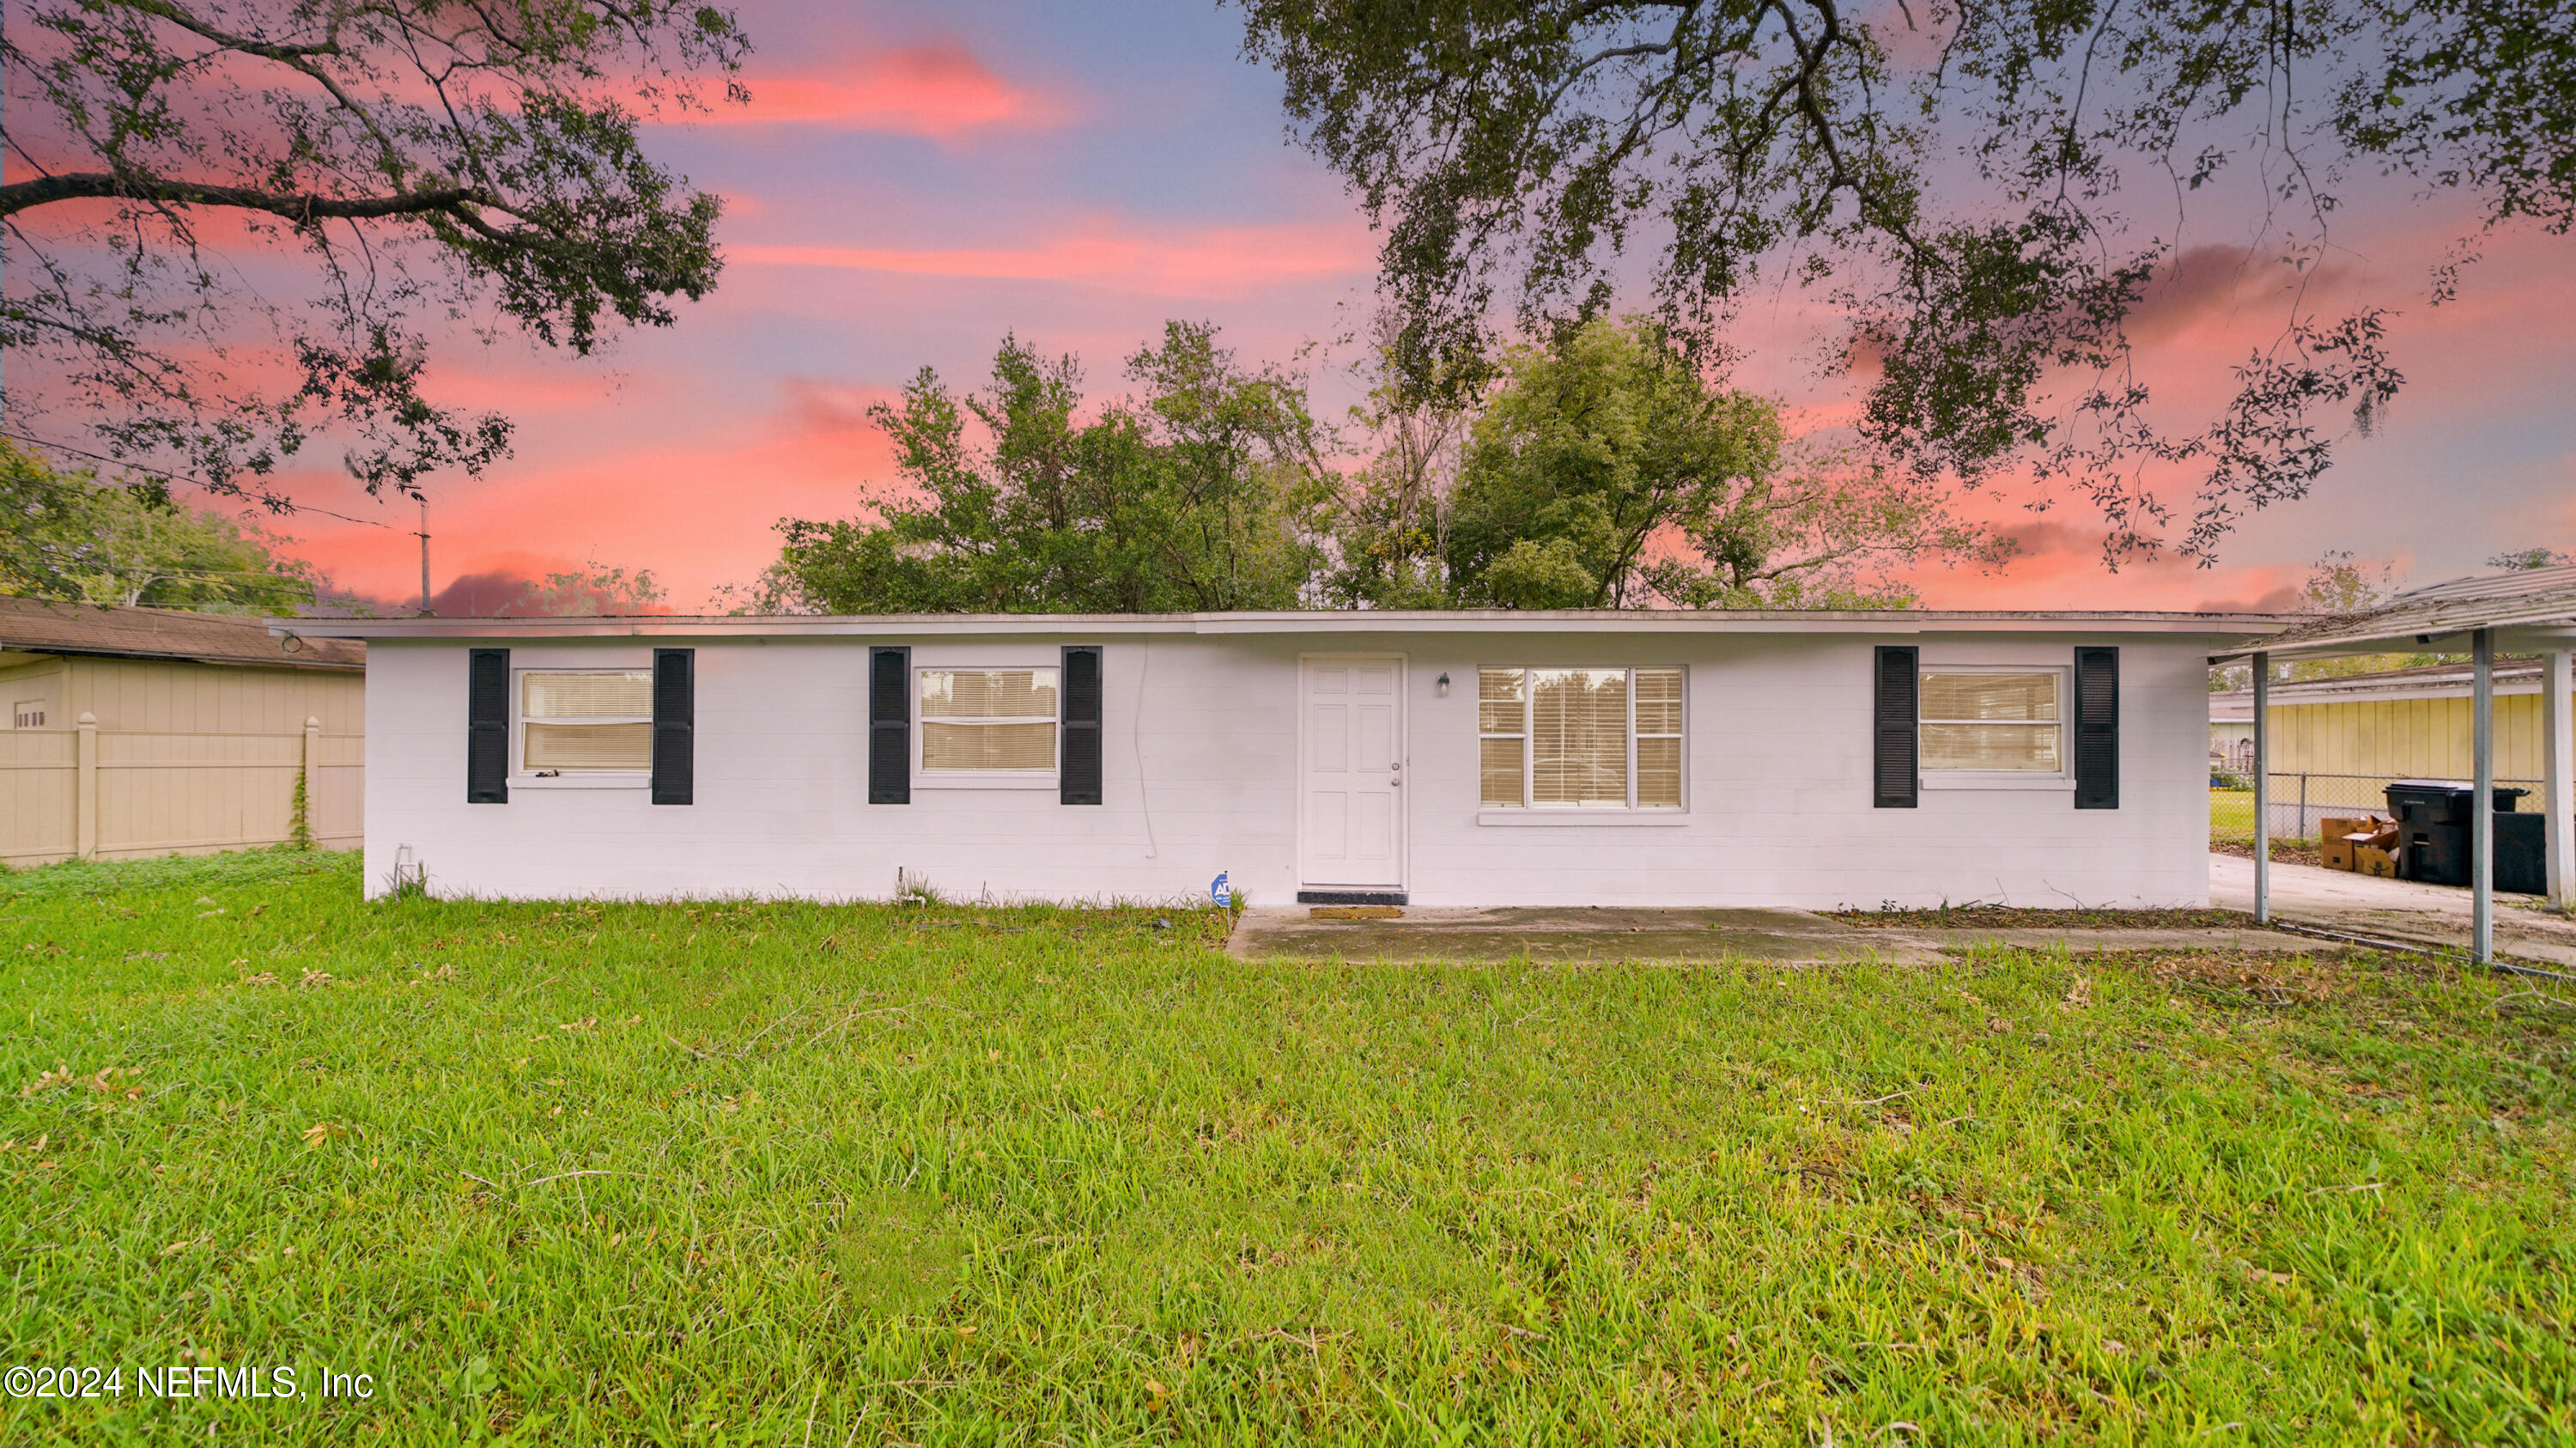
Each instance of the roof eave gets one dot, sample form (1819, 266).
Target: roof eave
(281, 661)
(2230, 627)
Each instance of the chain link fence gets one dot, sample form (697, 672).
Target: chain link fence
(2299, 801)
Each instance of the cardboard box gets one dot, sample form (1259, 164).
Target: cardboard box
(2371, 860)
(2334, 836)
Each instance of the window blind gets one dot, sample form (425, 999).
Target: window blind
(586, 720)
(1579, 737)
(1992, 721)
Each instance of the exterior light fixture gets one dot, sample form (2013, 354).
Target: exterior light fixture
(1443, 686)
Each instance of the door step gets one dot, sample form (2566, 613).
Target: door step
(1352, 897)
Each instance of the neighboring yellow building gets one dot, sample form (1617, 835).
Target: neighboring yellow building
(142, 731)
(2336, 743)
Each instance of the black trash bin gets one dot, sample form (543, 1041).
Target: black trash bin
(2433, 830)
(2444, 802)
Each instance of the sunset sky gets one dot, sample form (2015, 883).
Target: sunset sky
(912, 183)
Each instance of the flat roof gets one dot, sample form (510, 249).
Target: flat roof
(2225, 626)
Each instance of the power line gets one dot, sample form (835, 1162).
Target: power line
(271, 500)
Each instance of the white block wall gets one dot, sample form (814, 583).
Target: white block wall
(1200, 775)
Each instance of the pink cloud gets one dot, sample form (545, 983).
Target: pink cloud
(939, 90)
(1208, 261)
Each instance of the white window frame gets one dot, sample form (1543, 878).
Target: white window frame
(2064, 779)
(1529, 813)
(924, 778)
(520, 774)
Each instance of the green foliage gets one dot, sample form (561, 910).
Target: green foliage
(299, 830)
(594, 589)
(1948, 181)
(1606, 472)
(602, 1172)
(1185, 496)
(425, 161)
(2342, 584)
(66, 535)
(2522, 560)
(1603, 472)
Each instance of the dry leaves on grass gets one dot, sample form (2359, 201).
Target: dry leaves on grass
(312, 977)
(2268, 980)
(104, 1082)
(322, 1131)
(586, 1023)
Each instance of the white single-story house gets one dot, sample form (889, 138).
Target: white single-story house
(1438, 759)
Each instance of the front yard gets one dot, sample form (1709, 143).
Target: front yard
(801, 1175)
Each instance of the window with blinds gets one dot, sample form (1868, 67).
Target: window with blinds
(988, 721)
(584, 721)
(1993, 720)
(1579, 738)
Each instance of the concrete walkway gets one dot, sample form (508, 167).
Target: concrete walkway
(1601, 934)
(2398, 910)
(2337, 900)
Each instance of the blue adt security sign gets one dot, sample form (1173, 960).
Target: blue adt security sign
(1221, 890)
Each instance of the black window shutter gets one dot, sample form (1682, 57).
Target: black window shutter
(889, 726)
(487, 726)
(2097, 728)
(675, 721)
(1078, 776)
(1899, 686)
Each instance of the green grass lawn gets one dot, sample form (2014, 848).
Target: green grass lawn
(2231, 815)
(789, 1174)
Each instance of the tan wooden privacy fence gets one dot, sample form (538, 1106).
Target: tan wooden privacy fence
(102, 794)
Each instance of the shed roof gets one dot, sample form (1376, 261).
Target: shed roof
(42, 626)
(2420, 681)
(2229, 628)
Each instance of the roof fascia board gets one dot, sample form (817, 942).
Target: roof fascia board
(2214, 627)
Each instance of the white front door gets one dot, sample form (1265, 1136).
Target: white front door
(1351, 787)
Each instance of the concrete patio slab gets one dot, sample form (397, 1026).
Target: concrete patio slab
(2396, 910)
(1585, 935)
(1601, 934)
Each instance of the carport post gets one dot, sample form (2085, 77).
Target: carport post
(2262, 789)
(2558, 787)
(2482, 806)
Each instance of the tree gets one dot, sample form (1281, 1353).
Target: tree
(2523, 560)
(1950, 178)
(1184, 497)
(427, 160)
(68, 536)
(1606, 472)
(1389, 527)
(2342, 584)
(592, 590)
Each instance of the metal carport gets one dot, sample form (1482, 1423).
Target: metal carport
(2529, 611)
